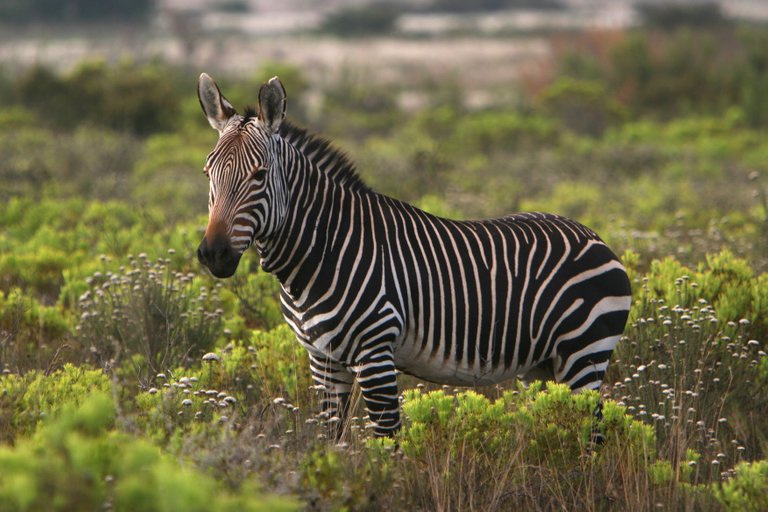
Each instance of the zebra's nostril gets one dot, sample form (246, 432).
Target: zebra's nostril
(221, 253)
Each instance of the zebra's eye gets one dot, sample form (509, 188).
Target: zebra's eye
(260, 173)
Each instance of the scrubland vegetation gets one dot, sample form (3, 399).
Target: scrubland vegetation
(132, 380)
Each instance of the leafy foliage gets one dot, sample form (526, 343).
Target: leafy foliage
(129, 97)
(747, 490)
(31, 334)
(79, 461)
(665, 75)
(149, 316)
(27, 399)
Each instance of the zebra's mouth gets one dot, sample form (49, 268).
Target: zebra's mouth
(224, 271)
(219, 257)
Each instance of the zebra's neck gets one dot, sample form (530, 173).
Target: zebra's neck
(319, 208)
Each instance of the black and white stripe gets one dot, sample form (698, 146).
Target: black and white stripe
(371, 284)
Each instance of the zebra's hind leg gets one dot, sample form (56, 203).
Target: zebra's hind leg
(335, 381)
(596, 436)
(582, 365)
(378, 383)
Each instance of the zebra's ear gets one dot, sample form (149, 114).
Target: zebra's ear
(272, 104)
(215, 106)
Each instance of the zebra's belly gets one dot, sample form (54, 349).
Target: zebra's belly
(422, 364)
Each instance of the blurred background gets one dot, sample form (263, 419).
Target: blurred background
(643, 119)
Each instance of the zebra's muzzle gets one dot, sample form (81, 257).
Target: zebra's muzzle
(218, 256)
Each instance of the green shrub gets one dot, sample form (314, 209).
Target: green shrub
(30, 333)
(747, 491)
(129, 97)
(416, 164)
(42, 271)
(47, 244)
(183, 407)
(256, 298)
(576, 200)
(355, 107)
(228, 384)
(27, 399)
(168, 173)
(726, 282)
(78, 462)
(488, 131)
(750, 75)
(497, 454)
(582, 106)
(527, 449)
(148, 316)
(282, 364)
(693, 373)
(330, 480)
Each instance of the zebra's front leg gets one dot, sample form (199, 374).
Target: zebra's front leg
(378, 383)
(335, 381)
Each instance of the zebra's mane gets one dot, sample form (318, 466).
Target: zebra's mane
(330, 160)
(250, 113)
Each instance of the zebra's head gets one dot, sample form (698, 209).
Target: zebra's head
(246, 200)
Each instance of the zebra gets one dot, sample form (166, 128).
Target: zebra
(372, 286)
